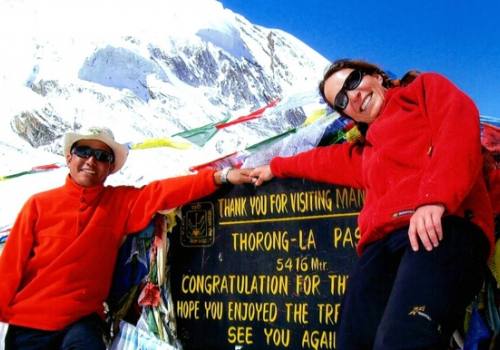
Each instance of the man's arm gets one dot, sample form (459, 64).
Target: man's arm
(15, 255)
(177, 191)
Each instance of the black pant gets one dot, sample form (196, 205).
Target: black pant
(85, 334)
(400, 299)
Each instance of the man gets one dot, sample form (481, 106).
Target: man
(58, 261)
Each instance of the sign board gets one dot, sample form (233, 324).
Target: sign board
(265, 267)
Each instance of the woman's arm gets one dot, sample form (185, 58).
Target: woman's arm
(336, 164)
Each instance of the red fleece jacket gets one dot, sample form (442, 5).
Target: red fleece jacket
(57, 264)
(423, 148)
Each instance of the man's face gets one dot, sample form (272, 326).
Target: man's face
(89, 171)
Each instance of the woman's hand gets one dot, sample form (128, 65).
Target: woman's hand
(239, 176)
(425, 224)
(261, 174)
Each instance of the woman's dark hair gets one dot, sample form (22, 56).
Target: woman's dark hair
(368, 68)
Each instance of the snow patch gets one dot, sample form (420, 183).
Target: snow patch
(120, 68)
(228, 38)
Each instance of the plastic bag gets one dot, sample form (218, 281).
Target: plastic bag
(132, 338)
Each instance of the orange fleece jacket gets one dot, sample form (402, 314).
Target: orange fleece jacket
(59, 258)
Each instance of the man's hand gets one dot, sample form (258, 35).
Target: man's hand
(261, 174)
(425, 224)
(234, 176)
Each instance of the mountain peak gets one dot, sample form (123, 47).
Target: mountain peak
(148, 70)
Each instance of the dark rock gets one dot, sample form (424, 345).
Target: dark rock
(39, 128)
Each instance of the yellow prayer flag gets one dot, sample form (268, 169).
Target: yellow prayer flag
(314, 116)
(161, 142)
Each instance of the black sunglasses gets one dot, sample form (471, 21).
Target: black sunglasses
(351, 82)
(99, 154)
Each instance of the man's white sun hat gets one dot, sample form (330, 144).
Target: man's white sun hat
(102, 134)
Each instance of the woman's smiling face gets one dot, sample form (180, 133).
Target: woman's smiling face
(365, 101)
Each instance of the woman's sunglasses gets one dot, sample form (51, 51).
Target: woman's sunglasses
(99, 154)
(351, 82)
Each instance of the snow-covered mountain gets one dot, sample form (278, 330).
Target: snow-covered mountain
(145, 69)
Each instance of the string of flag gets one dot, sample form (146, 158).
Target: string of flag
(198, 135)
(336, 129)
(33, 170)
(340, 130)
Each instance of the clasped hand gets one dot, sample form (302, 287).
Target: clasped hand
(261, 174)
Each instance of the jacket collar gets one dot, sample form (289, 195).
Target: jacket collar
(387, 97)
(86, 194)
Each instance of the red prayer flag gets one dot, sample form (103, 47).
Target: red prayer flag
(254, 115)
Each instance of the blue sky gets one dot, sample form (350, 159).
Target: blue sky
(458, 38)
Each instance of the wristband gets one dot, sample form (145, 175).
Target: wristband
(223, 175)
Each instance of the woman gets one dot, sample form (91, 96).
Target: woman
(426, 225)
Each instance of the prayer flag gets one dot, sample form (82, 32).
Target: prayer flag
(201, 135)
(160, 142)
(255, 114)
